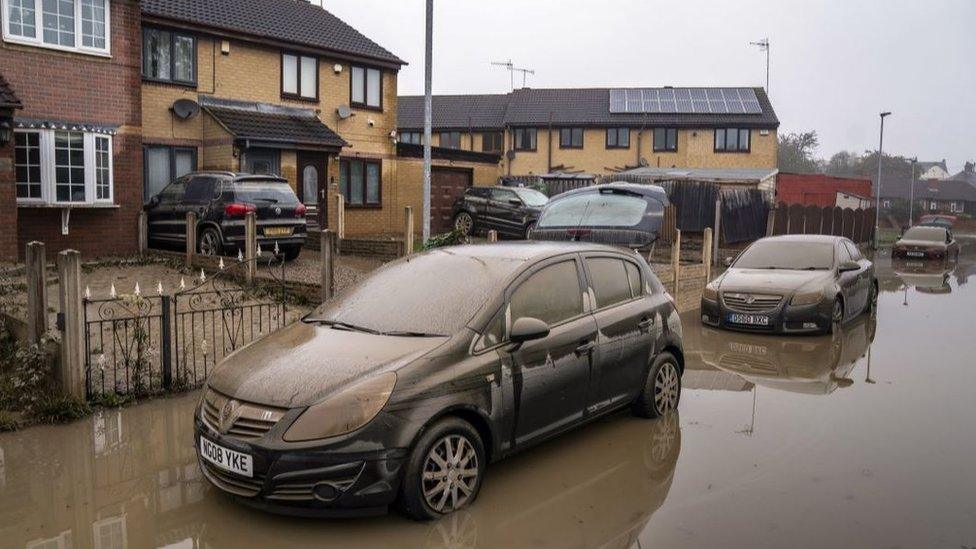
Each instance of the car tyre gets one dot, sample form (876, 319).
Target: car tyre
(439, 478)
(209, 242)
(662, 388)
(528, 230)
(836, 316)
(291, 253)
(464, 223)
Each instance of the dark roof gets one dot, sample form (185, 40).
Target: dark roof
(924, 166)
(968, 175)
(8, 99)
(565, 106)
(272, 124)
(945, 189)
(292, 21)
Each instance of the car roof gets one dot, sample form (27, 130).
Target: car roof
(653, 191)
(239, 176)
(526, 250)
(826, 238)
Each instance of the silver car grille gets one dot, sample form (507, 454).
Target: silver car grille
(751, 303)
(241, 420)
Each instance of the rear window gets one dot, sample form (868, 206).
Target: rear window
(594, 210)
(274, 192)
(932, 234)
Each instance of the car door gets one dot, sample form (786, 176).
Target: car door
(505, 211)
(627, 329)
(197, 197)
(161, 217)
(550, 376)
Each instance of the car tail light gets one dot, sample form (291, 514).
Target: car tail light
(300, 210)
(239, 209)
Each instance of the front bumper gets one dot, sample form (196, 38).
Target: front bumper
(783, 319)
(307, 482)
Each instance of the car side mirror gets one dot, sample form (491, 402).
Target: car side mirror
(153, 201)
(848, 266)
(729, 260)
(528, 329)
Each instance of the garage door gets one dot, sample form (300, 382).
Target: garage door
(445, 186)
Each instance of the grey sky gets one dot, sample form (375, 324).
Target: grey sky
(835, 65)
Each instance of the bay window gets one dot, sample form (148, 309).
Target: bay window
(359, 182)
(63, 167)
(299, 76)
(74, 25)
(366, 88)
(169, 56)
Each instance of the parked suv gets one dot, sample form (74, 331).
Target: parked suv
(510, 211)
(221, 200)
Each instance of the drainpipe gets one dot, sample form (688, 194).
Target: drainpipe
(549, 145)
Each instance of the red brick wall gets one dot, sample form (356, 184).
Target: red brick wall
(86, 89)
(817, 189)
(8, 209)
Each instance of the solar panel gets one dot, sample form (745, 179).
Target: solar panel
(685, 100)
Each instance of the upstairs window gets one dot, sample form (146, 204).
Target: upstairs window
(450, 140)
(366, 88)
(169, 56)
(731, 140)
(665, 139)
(492, 142)
(63, 167)
(571, 138)
(74, 25)
(414, 138)
(618, 138)
(525, 139)
(299, 76)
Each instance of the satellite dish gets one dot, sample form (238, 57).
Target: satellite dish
(344, 112)
(185, 108)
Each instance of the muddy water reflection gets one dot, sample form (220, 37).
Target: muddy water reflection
(130, 479)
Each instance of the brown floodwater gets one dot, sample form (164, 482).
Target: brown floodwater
(866, 438)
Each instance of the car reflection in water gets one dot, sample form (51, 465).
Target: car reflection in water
(816, 365)
(926, 277)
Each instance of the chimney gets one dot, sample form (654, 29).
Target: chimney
(969, 167)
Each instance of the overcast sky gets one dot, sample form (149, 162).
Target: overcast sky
(834, 64)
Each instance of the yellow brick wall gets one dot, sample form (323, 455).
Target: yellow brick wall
(217, 152)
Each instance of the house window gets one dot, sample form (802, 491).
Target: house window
(163, 165)
(665, 139)
(525, 139)
(75, 25)
(366, 88)
(450, 140)
(886, 203)
(61, 166)
(169, 56)
(414, 138)
(492, 142)
(933, 206)
(571, 138)
(359, 182)
(262, 162)
(731, 140)
(955, 207)
(299, 76)
(618, 138)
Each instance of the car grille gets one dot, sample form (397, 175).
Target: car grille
(252, 421)
(241, 486)
(751, 303)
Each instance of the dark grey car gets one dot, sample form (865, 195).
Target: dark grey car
(406, 386)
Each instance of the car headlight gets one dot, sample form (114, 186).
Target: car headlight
(345, 412)
(710, 292)
(806, 298)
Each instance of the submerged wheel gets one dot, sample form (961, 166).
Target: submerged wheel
(836, 316)
(210, 242)
(444, 471)
(464, 223)
(662, 389)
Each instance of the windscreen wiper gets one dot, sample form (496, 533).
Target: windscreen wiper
(343, 325)
(407, 333)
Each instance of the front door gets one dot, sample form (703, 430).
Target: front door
(446, 185)
(312, 184)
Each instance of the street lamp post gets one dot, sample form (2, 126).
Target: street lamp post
(911, 200)
(877, 209)
(428, 107)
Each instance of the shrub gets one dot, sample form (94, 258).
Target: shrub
(452, 238)
(60, 409)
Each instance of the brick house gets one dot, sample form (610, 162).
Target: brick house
(953, 196)
(603, 130)
(77, 138)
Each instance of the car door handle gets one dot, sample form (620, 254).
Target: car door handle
(584, 348)
(645, 324)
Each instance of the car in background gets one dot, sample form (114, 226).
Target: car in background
(926, 242)
(221, 201)
(380, 396)
(619, 214)
(937, 220)
(511, 211)
(792, 284)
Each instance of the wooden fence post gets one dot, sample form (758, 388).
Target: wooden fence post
(328, 264)
(676, 258)
(717, 236)
(36, 291)
(143, 233)
(407, 230)
(707, 253)
(72, 365)
(493, 236)
(251, 245)
(191, 237)
(340, 216)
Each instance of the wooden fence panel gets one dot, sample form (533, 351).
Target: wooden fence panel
(811, 219)
(848, 216)
(781, 220)
(796, 219)
(669, 227)
(837, 228)
(858, 225)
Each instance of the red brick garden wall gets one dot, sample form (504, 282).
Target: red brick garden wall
(8, 208)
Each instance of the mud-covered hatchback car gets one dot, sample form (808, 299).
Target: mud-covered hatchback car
(406, 386)
(221, 201)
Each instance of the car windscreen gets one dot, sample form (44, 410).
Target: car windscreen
(594, 210)
(274, 192)
(931, 234)
(433, 293)
(532, 197)
(787, 254)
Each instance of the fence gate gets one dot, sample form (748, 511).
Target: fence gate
(140, 344)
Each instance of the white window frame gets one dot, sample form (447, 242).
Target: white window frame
(49, 177)
(38, 40)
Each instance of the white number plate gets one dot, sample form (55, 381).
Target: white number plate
(915, 254)
(755, 320)
(227, 459)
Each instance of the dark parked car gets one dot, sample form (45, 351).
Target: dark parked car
(385, 395)
(619, 214)
(221, 200)
(792, 284)
(511, 211)
(926, 242)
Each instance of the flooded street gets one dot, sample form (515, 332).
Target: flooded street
(866, 438)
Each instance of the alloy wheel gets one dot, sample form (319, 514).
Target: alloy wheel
(464, 223)
(209, 244)
(450, 473)
(666, 388)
